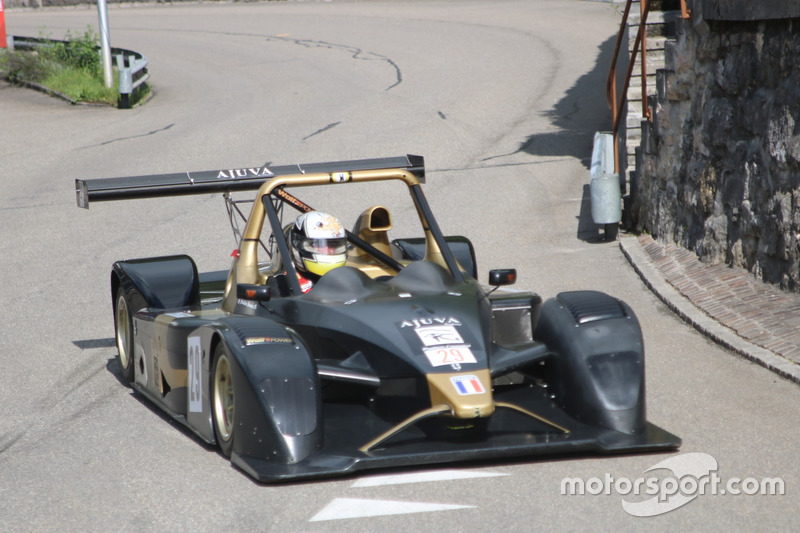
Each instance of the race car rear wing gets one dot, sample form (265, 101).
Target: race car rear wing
(225, 180)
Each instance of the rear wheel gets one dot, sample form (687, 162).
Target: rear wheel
(223, 399)
(123, 324)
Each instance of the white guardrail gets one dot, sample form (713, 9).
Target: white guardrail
(132, 66)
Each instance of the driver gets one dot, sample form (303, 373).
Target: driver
(319, 244)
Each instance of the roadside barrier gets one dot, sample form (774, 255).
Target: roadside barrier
(605, 186)
(132, 66)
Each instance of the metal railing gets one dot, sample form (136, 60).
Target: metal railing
(640, 43)
(132, 66)
(685, 12)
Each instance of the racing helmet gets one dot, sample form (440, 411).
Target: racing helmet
(319, 244)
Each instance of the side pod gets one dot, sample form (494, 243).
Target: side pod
(278, 416)
(598, 368)
(161, 282)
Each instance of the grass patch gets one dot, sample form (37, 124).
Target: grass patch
(81, 85)
(71, 67)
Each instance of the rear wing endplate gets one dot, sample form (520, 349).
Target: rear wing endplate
(225, 180)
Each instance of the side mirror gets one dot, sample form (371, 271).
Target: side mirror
(502, 276)
(259, 293)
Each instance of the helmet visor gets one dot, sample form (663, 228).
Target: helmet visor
(324, 246)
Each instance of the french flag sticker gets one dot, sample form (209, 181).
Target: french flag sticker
(466, 385)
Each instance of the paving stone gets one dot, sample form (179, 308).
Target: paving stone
(756, 311)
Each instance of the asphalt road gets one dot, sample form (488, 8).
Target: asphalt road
(501, 97)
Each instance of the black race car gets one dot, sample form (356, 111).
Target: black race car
(398, 358)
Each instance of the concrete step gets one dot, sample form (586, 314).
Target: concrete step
(635, 93)
(658, 23)
(636, 79)
(634, 119)
(654, 43)
(661, 26)
(654, 16)
(654, 61)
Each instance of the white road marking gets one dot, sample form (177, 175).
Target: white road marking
(422, 477)
(342, 508)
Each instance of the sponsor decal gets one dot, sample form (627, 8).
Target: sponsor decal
(442, 344)
(438, 335)
(291, 199)
(451, 355)
(467, 385)
(340, 177)
(247, 303)
(328, 224)
(236, 173)
(195, 371)
(268, 340)
(419, 322)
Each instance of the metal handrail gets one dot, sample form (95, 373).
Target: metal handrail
(611, 82)
(685, 13)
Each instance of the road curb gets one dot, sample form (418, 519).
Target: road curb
(697, 318)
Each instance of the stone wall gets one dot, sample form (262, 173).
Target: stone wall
(746, 9)
(721, 168)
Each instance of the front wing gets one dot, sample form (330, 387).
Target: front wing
(508, 434)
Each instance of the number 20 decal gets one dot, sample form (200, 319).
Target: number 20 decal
(450, 355)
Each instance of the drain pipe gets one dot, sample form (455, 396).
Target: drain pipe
(605, 186)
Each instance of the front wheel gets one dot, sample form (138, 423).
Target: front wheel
(123, 325)
(223, 399)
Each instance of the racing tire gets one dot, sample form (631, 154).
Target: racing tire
(123, 329)
(223, 400)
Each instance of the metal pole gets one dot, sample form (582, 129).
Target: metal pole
(105, 48)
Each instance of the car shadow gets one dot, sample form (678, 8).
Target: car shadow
(89, 344)
(112, 365)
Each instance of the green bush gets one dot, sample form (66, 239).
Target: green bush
(25, 66)
(78, 52)
(71, 67)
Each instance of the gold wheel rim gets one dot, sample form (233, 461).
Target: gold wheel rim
(223, 398)
(123, 332)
